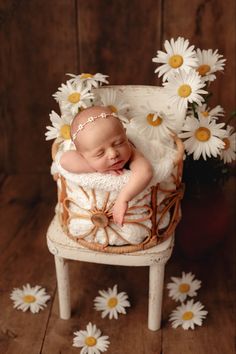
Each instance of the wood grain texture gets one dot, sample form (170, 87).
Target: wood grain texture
(207, 24)
(38, 46)
(24, 260)
(42, 40)
(119, 38)
(19, 196)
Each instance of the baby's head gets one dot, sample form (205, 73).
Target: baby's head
(100, 138)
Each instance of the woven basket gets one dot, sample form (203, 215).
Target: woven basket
(102, 217)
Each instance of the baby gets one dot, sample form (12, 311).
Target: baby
(102, 146)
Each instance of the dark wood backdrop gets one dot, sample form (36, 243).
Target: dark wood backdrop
(41, 40)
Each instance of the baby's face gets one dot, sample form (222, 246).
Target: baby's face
(104, 144)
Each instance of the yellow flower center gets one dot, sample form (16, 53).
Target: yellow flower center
(227, 143)
(203, 69)
(205, 114)
(176, 61)
(74, 97)
(113, 108)
(86, 76)
(112, 302)
(65, 131)
(188, 315)
(184, 288)
(29, 299)
(153, 122)
(202, 134)
(90, 341)
(184, 90)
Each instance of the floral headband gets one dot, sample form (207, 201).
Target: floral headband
(91, 120)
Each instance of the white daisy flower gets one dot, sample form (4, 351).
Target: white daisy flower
(90, 80)
(152, 124)
(60, 129)
(228, 153)
(110, 98)
(111, 303)
(184, 88)
(178, 55)
(208, 63)
(206, 112)
(30, 298)
(73, 97)
(91, 340)
(188, 315)
(203, 137)
(182, 287)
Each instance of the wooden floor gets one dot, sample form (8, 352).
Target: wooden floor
(27, 206)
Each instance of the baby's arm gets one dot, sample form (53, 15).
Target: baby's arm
(73, 162)
(141, 175)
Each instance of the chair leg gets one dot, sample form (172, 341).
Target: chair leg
(156, 281)
(63, 286)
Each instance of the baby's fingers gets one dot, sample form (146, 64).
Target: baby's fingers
(118, 218)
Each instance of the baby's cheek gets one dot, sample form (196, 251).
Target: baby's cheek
(99, 165)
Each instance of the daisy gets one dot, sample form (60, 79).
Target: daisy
(208, 63)
(178, 55)
(73, 97)
(182, 287)
(110, 98)
(110, 302)
(206, 112)
(228, 153)
(91, 340)
(184, 88)
(187, 315)
(32, 298)
(203, 137)
(152, 124)
(90, 80)
(60, 129)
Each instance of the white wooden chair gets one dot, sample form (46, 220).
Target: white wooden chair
(155, 258)
(65, 249)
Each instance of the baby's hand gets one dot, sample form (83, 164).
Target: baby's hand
(119, 210)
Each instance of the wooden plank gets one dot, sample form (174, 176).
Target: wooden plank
(38, 45)
(207, 24)
(26, 260)
(19, 195)
(217, 295)
(217, 273)
(2, 178)
(119, 38)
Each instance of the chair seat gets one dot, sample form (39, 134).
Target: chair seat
(61, 245)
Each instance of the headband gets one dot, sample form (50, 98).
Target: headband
(91, 119)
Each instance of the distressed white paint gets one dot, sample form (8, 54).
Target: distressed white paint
(63, 287)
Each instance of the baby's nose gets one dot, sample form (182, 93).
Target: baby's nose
(113, 153)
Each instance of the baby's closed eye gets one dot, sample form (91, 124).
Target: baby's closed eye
(118, 142)
(100, 153)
